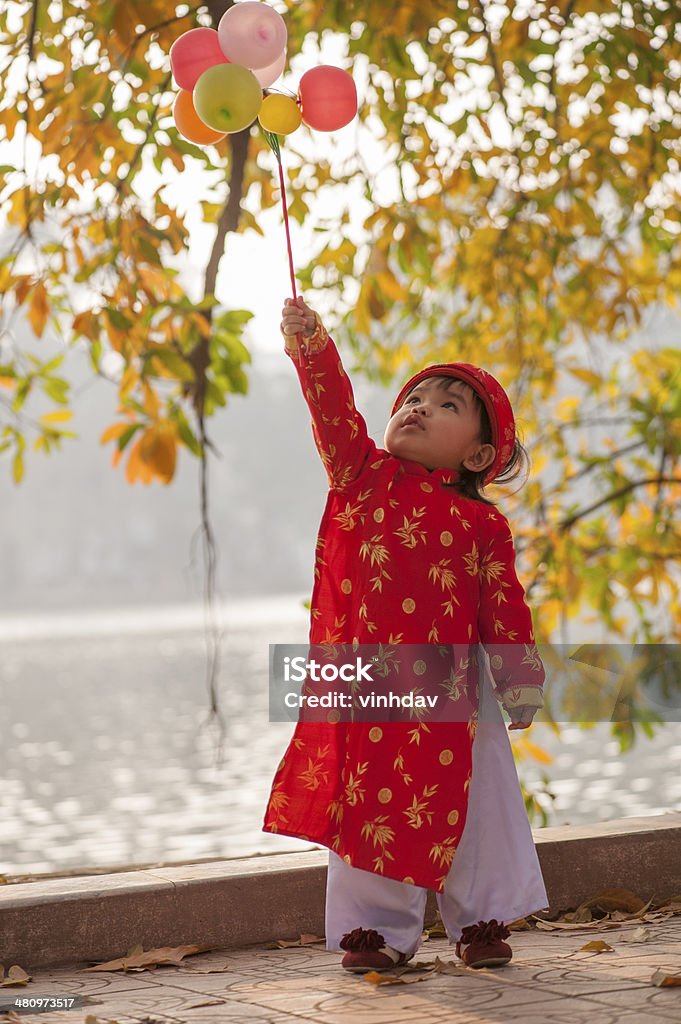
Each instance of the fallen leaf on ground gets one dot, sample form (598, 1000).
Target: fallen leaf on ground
(137, 959)
(304, 940)
(11, 1018)
(450, 967)
(597, 946)
(638, 935)
(191, 969)
(673, 906)
(375, 978)
(592, 926)
(521, 925)
(664, 979)
(15, 976)
(615, 899)
(206, 1002)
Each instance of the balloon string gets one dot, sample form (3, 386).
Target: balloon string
(288, 234)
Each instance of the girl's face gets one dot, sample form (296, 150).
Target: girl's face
(438, 426)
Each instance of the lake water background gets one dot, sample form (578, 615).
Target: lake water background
(105, 759)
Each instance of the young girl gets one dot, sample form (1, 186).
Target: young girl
(411, 552)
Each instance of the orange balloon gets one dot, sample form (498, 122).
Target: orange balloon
(189, 124)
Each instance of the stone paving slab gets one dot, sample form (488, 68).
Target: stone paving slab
(550, 979)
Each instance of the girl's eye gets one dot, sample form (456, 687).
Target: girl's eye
(453, 405)
(412, 398)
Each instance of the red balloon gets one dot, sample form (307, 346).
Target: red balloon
(193, 53)
(328, 98)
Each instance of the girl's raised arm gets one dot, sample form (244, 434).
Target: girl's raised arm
(339, 430)
(505, 620)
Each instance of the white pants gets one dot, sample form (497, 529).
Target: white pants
(495, 871)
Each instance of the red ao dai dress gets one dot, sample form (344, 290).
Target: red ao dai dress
(402, 557)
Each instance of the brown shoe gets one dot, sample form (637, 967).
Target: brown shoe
(486, 947)
(367, 951)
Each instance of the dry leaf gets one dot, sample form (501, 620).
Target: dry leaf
(190, 969)
(615, 899)
(598, 946)
(593, 926)
(521, 925)
(582, 915)
(16, 976)
(672, 907)
(448, 967)
(304, 940)
(638, 935)
(206, 1002)
(664, 979)
(137, 959)
(375, 978)
(12, 1018)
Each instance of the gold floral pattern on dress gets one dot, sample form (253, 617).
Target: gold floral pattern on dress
(316, 772)
(381, 835)
(441, 572)
(363, 614)
(454, 684)
(378, 555)
(471, 561)
(411, 532)
(354, 789)
(455, 510)
(419, 811)
(443, 852)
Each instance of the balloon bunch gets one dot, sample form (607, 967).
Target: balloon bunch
(222, 74)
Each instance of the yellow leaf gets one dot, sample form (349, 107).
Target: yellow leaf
(113, 432)
(84, 323)
(150, 400)
(128, 381)
(588, 376)
(598, 946)
(158, 450)
(391, 287)
(38, 309)
(525, 747)
(136, 469)
(58, 416)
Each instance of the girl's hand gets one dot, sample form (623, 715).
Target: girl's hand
(297, 318)
(521, 717)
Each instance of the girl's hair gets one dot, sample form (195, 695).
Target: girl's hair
(471, 484)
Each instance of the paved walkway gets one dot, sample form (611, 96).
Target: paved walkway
(549, 980)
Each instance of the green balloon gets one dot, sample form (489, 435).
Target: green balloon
(227, 97)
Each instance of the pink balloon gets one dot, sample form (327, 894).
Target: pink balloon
(252, 33)
(271, 73)
(194, 52)
(328, 98)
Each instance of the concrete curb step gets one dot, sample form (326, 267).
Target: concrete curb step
(234, 903)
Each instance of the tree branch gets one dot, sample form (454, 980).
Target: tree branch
(613, 496)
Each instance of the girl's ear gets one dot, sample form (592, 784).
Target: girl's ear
(481, 459)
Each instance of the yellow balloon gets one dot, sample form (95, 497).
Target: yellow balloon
(279, 114)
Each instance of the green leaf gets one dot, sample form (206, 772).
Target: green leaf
(187, 435)
(174, 362)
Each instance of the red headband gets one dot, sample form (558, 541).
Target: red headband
(493, 397)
